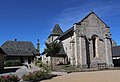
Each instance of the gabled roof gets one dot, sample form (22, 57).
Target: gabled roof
(72, 28)
(56, 30)
(89, 15)
(116, 51)
(19, 48)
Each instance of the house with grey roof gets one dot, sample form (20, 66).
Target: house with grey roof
(116, 55)
(21, 50)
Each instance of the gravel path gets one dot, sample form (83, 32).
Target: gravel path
(97, 76)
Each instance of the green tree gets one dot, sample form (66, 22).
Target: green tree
(52, 49)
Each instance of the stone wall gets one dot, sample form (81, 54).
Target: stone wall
(68, 47)
(58, 60)
(92, 26)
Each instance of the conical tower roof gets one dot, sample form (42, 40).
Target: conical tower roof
(56, 30)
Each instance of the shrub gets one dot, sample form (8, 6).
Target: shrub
(30, 77)
(25, 77)
(42, 65)
(38, 63)
(9, 78)
(14, 78)
(37, 75)
(12, 63)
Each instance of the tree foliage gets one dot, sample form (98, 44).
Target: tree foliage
(52, 48)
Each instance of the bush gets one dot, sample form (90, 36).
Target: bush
(14, 78)
(30, 77)
(42, 65)
(38, 63)
(12, 63)
(9, 78)
(37, 75)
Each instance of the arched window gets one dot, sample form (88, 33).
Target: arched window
(94, 38)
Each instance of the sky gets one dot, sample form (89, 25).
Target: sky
(29, 20)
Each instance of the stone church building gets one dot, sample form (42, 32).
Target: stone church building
(87, 43)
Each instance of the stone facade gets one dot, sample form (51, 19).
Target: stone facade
(88, 43)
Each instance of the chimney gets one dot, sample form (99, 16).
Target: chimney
(38, 45)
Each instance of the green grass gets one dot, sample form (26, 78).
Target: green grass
(66, 68)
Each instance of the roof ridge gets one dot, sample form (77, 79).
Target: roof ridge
(18, 41)
(92, 12)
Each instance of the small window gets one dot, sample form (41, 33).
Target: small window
(94, 45)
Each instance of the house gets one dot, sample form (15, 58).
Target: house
(2, 56)
(116, 55)
(87, 43)
(20, 50)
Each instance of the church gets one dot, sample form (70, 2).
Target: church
(86, 44)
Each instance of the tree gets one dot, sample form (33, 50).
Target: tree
(52, 49)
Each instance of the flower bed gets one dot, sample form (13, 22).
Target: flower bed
(9, 78)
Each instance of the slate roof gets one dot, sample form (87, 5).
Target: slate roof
(116, 51)
(2, 52)
(19, 48)
(68, 32)
(56, 30)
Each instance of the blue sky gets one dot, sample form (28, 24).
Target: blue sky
(29, 20)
